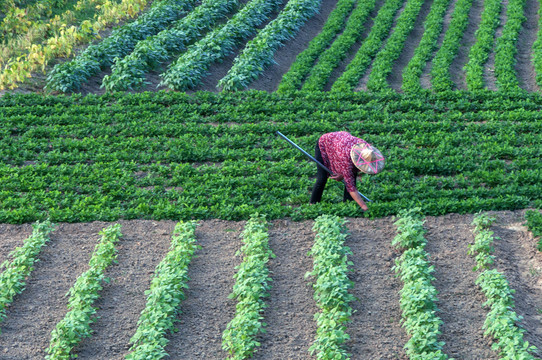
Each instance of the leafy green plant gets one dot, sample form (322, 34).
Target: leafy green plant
(418, 295)
(164, 296)
(501, 321)
(534, 224)
(18, 269)
(252, 283)
(76, 324)
(331, 287)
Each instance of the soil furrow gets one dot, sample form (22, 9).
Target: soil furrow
(11, 237)
(395, 79)
(35, 312)
(527, 36)
(142, 246)
(206, 310)
(517, 258)
(375, 331)
(460, 300)
(456, 69)
(290, 329)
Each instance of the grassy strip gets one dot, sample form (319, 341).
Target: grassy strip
(428, 44)
(380, 29)
(252, 283)
(440, 69)
(164, 296)
(383, 63)
(331, 287)
(303, 63)
(505, 49)
(69, 76)
(338, 51)
(259, 52)
(485, 38)
(418, 295)
(188, 70)
(534, 223)
(129, 73)
(15, 272)
(76, 324)
(63, 43)
(501, 320)
(537, 49)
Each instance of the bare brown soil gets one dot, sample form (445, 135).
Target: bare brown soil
(527, 36)
(375, 328)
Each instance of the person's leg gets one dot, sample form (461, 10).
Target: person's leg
(321, 178)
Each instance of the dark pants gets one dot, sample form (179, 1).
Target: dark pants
(321, 180)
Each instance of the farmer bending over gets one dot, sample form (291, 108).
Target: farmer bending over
(345, 155)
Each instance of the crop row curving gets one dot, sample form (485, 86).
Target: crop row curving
(76, 324)
(331, 58)
(18, 269)
(506, 50)
(303, 63)
(258, 53)
(534, 223)
(383, 62)
(188, 70)
(440, 67)
(164, 296)
(485, 38)
(418, 295)
(372, 44)
(501, 320)
(252, 283)
(62, 44)
(148, 155)
(428, 44)
(331, 287)
(129, 73)
(69, 76)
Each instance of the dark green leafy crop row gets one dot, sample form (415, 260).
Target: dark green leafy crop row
(174, 156)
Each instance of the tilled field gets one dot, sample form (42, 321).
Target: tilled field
(375, 329)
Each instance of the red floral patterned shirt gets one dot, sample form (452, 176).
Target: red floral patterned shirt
(335, 148)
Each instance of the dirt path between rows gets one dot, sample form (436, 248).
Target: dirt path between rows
(456, 69)
(527, 36)
(12, 236)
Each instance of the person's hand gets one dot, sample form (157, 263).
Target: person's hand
(337, 177)
(364, 207)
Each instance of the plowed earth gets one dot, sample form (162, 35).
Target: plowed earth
(375, 329)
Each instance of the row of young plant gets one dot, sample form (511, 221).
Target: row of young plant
(418, 295)
(133, 159)
(259, 52)
(38, 55)
(383, 62)
(432, 27)
(370, 47)
(501, 321)
(328, 61)
(440, 66)
(331, 286)
(70, 75)
(20, 264)
(304, 61)
(505, 48)
(189, 69)
(166, 293)
(534, 224)
(252, 284)
(129, 72)
(537, 51)
(485, 38)
(81, 313)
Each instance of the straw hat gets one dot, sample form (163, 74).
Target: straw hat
(367, 158)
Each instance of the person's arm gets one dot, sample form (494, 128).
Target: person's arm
(357, 197)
